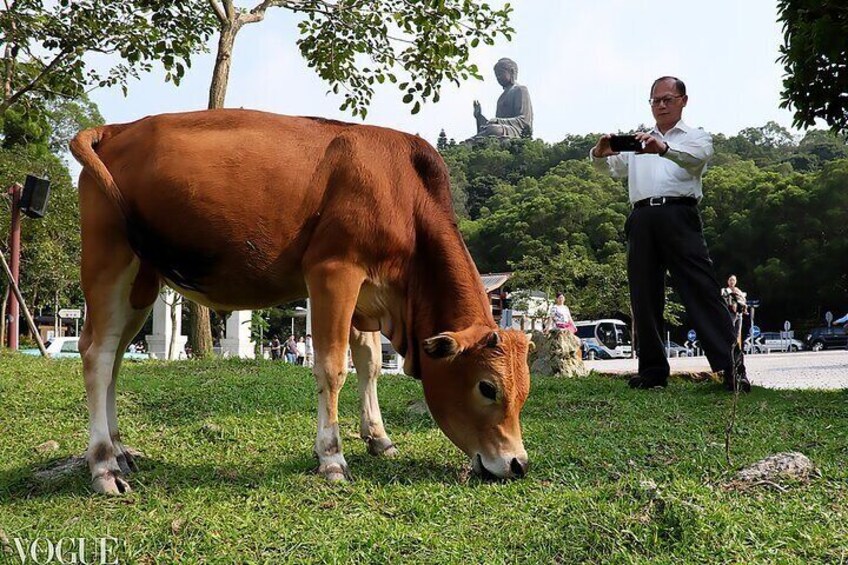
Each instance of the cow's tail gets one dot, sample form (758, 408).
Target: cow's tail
(82, 147)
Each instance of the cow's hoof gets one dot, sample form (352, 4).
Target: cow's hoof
(381, 447)
(110, 483)
(334, 472)
(126, 462)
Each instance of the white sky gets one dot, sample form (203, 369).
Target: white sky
(588, 65)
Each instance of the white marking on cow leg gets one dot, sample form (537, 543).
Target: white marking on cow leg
(124, 458)
(110, 319)
(97, 366)
(367, 353)
(333, 289)
(328, 443)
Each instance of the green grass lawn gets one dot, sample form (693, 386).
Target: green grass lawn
(245, 493)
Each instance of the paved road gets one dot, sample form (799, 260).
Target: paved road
(807, 369)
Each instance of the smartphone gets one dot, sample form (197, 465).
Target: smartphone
(619, 143)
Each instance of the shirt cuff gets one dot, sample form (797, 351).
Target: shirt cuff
(595, 159)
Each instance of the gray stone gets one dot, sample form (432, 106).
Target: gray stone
(61, 468)
(47, 446)
(211, 430)
(418, 408)
(789, 465)
(557, 353)
(514, 114)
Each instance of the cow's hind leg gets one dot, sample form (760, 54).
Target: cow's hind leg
(119, 297)
(333, 291)
(367, 353)
(134, 323)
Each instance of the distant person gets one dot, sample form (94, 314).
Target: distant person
(559, 316)
(132, 348)
(301, 351)
(310, 352)
(737, 303)
(664, 232)
(290, 348)
(276, 348)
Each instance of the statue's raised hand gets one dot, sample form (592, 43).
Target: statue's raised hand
(478, 111)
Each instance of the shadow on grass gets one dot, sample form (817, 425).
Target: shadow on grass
(69, 476)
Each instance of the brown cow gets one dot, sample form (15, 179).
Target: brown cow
(239, 209)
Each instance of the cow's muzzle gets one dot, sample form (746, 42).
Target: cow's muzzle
(515, 469)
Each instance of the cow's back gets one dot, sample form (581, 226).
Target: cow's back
(225, 203)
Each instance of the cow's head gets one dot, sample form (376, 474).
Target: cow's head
(475, 382)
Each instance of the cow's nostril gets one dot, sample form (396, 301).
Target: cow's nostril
(518, 469)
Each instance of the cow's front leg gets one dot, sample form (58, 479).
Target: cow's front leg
(333, 290)
(367, 352)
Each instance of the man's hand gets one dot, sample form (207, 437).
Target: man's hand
(477, 110)
(651, 144)
(602, 147)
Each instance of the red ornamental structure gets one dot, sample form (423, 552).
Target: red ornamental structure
(14, 264)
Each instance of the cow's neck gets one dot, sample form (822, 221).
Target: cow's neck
(447, 293)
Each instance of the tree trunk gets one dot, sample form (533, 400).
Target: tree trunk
(199, 319)
(223, 60)
(200, 330)
(172, 346)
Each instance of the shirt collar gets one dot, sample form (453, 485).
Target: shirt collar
(679, 125)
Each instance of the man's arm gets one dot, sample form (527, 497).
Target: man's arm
(693, 154)
(605, 160)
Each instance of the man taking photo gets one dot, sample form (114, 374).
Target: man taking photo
(664, 233)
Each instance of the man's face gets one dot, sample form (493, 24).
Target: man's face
(504, 76)
(667, 103)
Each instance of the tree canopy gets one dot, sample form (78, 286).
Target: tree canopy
(815, 58)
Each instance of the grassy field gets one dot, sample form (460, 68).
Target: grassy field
(245, 493)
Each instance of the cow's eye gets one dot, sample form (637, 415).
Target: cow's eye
(488, 390)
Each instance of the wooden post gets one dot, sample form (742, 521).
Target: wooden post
(20, 298)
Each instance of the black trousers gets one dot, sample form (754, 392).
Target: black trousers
(670, 238)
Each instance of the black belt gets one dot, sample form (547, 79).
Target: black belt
(665, 201)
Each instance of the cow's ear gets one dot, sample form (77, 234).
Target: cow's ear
(450, 344)
(493, 340)
(442, 346)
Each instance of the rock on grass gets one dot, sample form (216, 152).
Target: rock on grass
(781, 466)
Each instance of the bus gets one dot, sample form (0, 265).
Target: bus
(604, 339)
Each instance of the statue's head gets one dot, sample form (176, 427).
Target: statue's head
(506, 71)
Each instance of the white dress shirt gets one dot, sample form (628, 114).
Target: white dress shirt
(677, 173)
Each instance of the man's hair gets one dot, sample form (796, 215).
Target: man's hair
(560, 294)
(678, 85)
(508, 64)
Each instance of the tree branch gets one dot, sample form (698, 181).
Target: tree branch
(230, 10)
(16, 96)
(219, 11)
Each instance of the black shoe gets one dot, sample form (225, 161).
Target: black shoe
(647, 382)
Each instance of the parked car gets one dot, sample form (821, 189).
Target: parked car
(768, 342)
(68, 347)
(676, 350)
(827, 338)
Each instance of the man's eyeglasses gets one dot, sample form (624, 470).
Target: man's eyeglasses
(664, 100)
